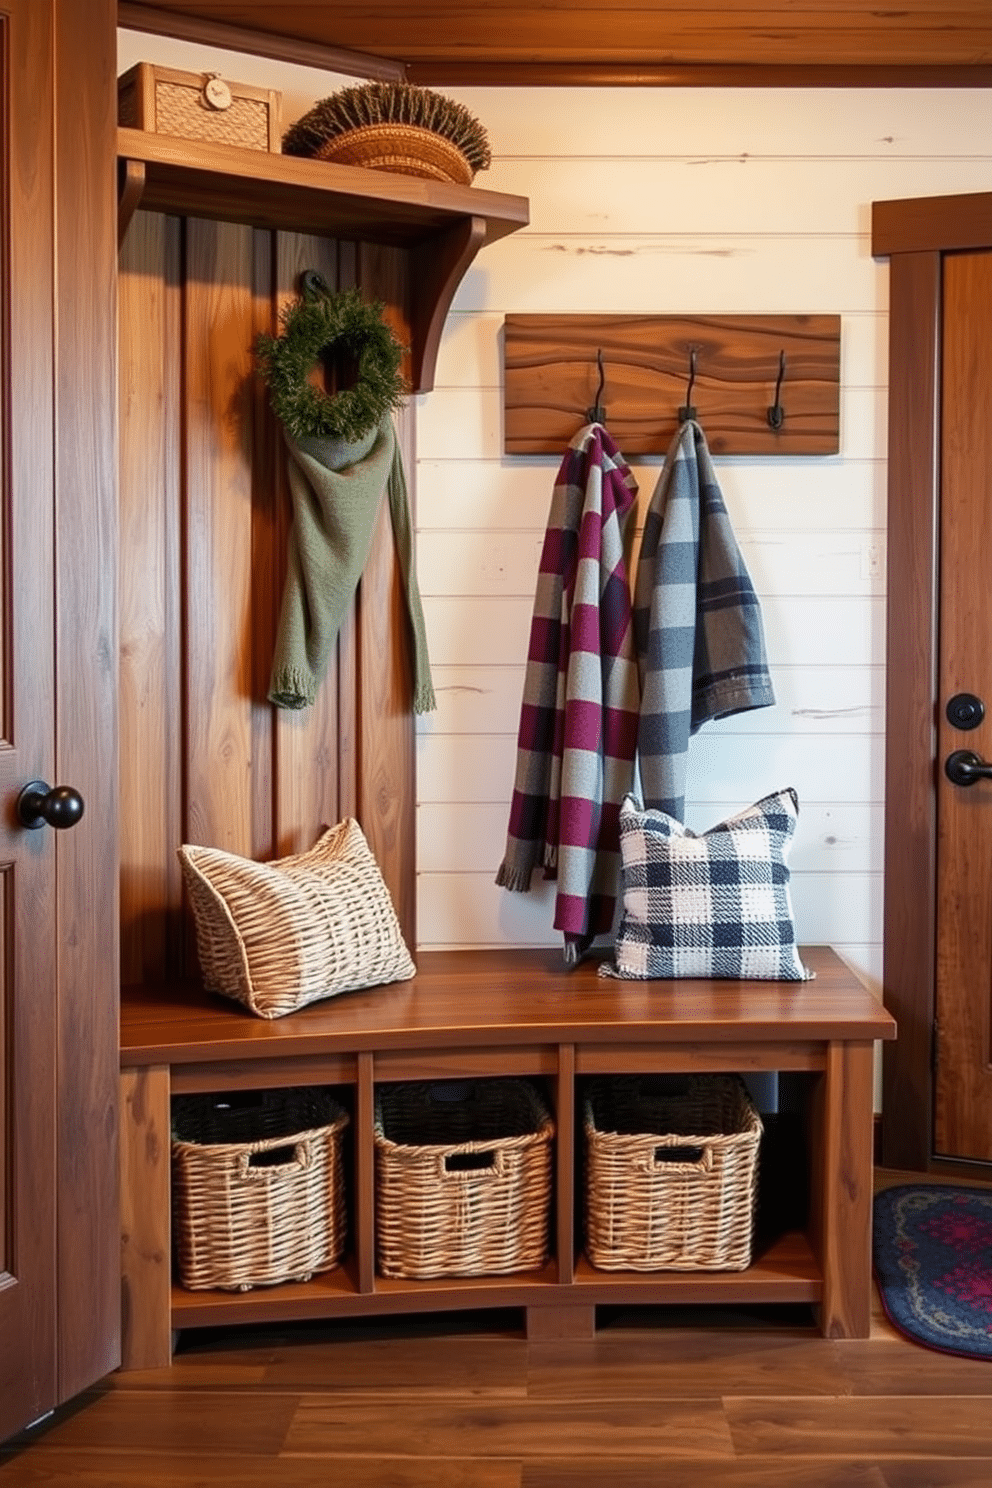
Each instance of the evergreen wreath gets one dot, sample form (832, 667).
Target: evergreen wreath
(316, 323)
(389, 103)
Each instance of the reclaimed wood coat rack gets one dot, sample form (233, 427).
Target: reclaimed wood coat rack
(759, 384)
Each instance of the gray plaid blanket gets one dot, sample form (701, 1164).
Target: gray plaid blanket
(697, 622)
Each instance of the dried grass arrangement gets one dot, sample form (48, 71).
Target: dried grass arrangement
(393, 127)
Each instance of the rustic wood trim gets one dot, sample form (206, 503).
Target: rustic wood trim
(130, 189)
(933, 224)
(135, 17)
(696, 75)
(363, 1136)
(841, 1196)
(567, 1144)
(146, 1219)
(85, 580)
(910, 705)
(439, 266)
(552, 375)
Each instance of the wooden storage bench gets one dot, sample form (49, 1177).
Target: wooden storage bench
(515, 1012)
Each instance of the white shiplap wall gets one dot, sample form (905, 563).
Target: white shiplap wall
(669, 201)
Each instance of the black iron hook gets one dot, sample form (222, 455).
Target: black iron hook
(597, 413)
(313, 283)
(687, 411)
(776, 413)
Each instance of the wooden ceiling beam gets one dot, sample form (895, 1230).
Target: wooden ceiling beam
(441, 74)
(162, 21)
(602, 43)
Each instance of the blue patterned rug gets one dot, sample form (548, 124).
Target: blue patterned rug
(932, 1253)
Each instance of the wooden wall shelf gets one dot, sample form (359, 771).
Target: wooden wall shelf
(551, 379)
(442, 226)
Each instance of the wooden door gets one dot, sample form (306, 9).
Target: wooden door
(27, 739)
(59, 1286)
(938, 836)
(963, 994)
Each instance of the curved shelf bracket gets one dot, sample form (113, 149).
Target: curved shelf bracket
(439, 265)
(130, 190)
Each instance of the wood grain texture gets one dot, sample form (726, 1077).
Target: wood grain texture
(515, 1002)
(910, 708)
(552, 376)
(840, 1178)
(85, 578)
(737, 1397)
(217, 670)
(963, 996)
(146, 1229)
(820, 33)
(29, 1010)
(150, 609)
(307, 742)
(509, 997)
(938, 224)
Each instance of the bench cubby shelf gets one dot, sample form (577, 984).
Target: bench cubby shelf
(512, 1012)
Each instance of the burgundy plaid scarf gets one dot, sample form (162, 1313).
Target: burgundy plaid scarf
(578, 718)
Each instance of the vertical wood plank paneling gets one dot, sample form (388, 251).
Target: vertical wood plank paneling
(149, 466)
(307, 787)
(386, 783)
(218, 535)
(266, 544)
(348, 733)
(86, 687)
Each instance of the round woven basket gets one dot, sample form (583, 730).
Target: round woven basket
(406, 149)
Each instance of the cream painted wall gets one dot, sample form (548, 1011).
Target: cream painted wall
(669, 201)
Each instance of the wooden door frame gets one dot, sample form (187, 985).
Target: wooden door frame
(86, 522)
(914, 235)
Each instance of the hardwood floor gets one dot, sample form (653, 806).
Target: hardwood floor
(750, 1397)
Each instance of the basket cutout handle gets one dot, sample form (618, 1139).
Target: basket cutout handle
(271, 1160)
(681, 1155)
(465, 1165)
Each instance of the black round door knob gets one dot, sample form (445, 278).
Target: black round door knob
(41, 805)
(965, 710)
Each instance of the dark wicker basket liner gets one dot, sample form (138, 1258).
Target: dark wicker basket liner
(258, 1187)
(671, 1173)
(463, 1175)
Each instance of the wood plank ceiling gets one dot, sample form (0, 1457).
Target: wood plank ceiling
(652, 43)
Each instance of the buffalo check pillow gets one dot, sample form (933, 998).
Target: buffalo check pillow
(715, 904)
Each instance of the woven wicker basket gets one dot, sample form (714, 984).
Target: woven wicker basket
(463, 1178)
(167, 101)
(671, 1173)
(257, 1187)
(405, 149)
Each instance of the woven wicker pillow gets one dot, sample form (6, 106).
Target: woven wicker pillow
(712, 905)
(278, 935)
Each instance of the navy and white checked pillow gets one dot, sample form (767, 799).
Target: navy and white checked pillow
(712, 905)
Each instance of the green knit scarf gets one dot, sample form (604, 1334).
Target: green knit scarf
(334, 517)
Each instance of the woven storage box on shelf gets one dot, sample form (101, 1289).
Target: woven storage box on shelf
(199, 106)
(462, 1177)
(257, 1187)
(671, 1173)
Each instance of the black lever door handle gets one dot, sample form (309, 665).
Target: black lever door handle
(964, 767)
